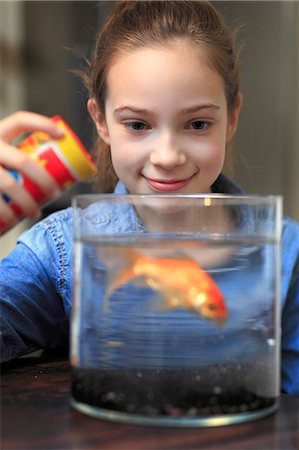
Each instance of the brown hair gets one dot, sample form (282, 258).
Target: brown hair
(136, 24)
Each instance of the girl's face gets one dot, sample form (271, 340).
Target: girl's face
(166, 120)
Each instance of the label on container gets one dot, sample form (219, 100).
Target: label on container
(65, 159)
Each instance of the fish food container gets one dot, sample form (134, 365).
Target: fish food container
(175, 315)
(65, 159)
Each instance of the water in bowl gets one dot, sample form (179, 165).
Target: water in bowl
(138, 358)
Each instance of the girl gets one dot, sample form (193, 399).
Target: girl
(164, 94)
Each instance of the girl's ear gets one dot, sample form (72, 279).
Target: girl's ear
(234, 118)
(99, 120)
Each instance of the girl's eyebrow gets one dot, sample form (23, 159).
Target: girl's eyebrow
(197, 108)
(186, 110)
(130, 109)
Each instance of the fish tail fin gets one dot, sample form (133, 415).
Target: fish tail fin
(124, 271)
(112, 255)
(123, 277)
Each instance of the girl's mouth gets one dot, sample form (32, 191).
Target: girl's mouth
(173, 185)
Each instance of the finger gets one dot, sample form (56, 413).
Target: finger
(18, 195)
(7, 215)
(24, 121)
(23, 163)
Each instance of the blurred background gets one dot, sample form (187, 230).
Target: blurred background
(41, 42)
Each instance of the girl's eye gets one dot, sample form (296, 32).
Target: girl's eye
(136, 126)
(199, 125)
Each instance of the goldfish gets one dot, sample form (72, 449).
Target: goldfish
(181, 283)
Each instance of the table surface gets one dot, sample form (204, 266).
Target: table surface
(36, 414)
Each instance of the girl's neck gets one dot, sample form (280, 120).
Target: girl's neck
(187, 220)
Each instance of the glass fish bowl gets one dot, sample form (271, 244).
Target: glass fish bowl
(175, 316)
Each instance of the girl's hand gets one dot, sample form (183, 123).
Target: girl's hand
(11, 157)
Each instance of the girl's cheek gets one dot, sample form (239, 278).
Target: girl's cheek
(212, 159)
(208, 151)
(124, 160)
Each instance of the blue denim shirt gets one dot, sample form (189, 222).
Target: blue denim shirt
(36, 285)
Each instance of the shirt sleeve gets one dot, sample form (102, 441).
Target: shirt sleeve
(290, 308)
(32, 315)
(290, 337)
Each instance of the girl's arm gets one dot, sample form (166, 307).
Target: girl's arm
(35, 280)
(11, 128)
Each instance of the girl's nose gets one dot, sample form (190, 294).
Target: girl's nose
(167, 155)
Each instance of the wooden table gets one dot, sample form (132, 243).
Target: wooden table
(36, 415)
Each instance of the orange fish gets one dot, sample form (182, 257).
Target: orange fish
(180, 282)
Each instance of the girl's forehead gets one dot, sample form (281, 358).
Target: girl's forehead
(176, 52)
(167, 73)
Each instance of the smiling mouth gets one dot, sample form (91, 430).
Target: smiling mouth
(167, 185)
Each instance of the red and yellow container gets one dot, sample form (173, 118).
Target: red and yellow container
(65, 159)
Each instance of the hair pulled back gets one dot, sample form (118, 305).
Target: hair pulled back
(136, 24)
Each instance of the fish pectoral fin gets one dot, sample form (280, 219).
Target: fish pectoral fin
(164, 303)
(171, 303)
(152, 283)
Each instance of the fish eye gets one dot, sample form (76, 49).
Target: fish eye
(212, 306)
